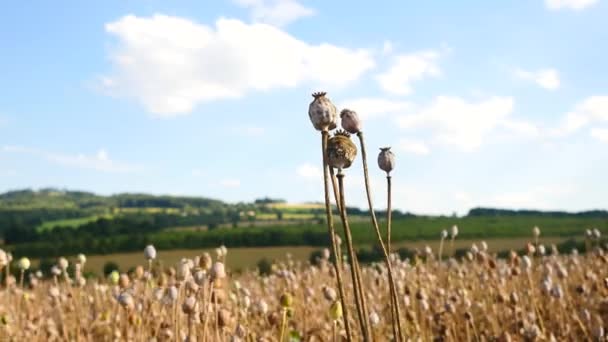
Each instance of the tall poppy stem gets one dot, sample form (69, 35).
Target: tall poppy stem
(353, 264)
(332, 234)
(395, 312)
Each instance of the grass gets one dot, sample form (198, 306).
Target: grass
(69, 223)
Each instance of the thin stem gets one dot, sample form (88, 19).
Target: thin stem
(360, 286)
(334, 184)
(282, 338)
(388, 213)
(393, 292)
(351, 254)
(332, 234)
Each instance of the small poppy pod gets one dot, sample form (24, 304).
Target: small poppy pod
(322, 112)
(329, 293)
(286, 300)
(341, 151)
(205, 261)
(124, 281)
(150, 252)
(386, 159)
(126, 300)
(24, 264)
(350, 121)
(190, 306)
(335, 310)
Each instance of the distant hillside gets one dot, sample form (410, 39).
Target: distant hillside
(536, 213)
(51, 198)
(53, 222)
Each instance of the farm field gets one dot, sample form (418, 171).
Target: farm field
(210, 302)
(248, 258)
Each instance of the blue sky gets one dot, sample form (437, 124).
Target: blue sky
(484, 103)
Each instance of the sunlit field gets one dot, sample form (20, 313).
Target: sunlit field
(527, 297)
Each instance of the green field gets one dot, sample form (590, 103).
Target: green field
(70, 223)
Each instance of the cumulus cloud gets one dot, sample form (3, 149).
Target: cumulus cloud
(373, 107)
(408, 68)
(414, 147)
(569, 4)
(171, 64)
(310, 172)
(275, 12)
(591, 110)
(600, 134)
(545, 78)
(99, 161)
(464, 124)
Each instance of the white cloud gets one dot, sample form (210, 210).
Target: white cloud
(100, 161)
(276, 12)
(171, 64)
(592, 109)
(600, 134)
(373, 107)
(523, 128)
(569, 4)
(310, 172)
(414, 147)
(230, 183)
(457, 122)
(409, 68)
(545, 78)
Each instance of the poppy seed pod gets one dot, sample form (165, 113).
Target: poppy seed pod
(150, 252)
(63, 263)
(341, 151)
(24, 263)
(286, 300)
(218, 271)
(205, 262)
(386, 159)
(322, 112)
(124, 281)
(190, 306)
(126, 300)
(329, 293)
(374, 318)
(114, 276)
(350, 121)
(335, 310)
(454, 231)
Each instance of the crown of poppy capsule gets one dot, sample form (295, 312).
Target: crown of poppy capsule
(322, 112)
(341, 151)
